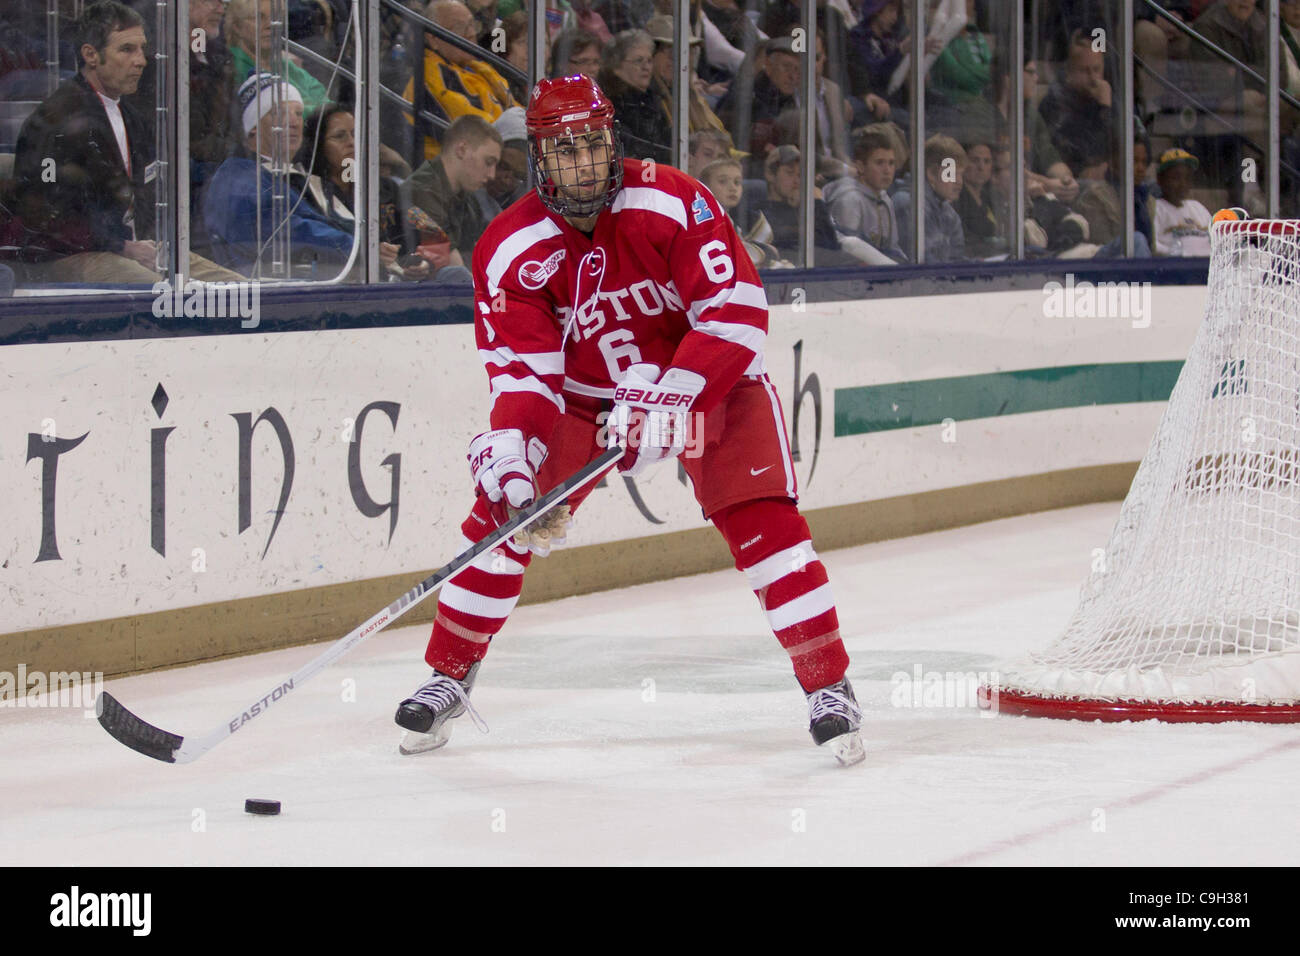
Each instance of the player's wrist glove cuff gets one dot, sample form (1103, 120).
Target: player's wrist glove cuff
(651, 414)
(505, 467)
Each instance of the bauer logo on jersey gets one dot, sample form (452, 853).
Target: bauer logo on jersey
(533, 274)
(701, 209)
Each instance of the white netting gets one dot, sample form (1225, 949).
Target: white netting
(1199, 599)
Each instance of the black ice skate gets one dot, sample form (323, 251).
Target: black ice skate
(834, 718)
(427, 714)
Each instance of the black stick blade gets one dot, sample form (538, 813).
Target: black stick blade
(126, 728)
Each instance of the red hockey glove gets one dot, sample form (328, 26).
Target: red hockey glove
(651, 416)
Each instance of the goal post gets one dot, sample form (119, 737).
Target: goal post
(1194, 614)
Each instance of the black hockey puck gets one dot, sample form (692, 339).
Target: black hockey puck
(266, 808)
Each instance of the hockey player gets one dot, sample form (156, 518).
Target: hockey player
(616, 296)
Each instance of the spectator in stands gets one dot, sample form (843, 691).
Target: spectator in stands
(214, 131)
(860, 204)
(1156, 41)
(515, 28)
(510, 181)
(329, 153)
(1041, 158)
(707, 146)
(248, 32)
(564, 15)
(1100, 203)
(1182, 225)
(246, 183)
(1049, 226)
(875, 50)
(773, 93)
(701, 115)
(622, 15)
(459, 83)
(781, 209)
(485, 20)
(214, 124)
(979, 220)
(723, 179)
(734, 26)
(1241, 31)
(626, 74)
(945, 240)
(444, 187)
(1078, 111)
(834, 18)
(962, 72)
(576, 52)
(834, 113)
(84, 172)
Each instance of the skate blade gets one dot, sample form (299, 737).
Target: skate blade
(847, 749)
(417, 743)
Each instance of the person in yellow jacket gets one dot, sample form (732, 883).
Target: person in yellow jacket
(460, 83)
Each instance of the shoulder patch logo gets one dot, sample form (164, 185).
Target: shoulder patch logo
(701, 209)
(533, 274)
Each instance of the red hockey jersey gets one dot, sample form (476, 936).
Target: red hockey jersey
(663, 278)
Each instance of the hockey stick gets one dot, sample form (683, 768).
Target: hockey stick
(128, 729)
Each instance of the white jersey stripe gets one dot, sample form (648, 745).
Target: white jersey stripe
(774, 567)
(803, 608)
(651, 200)
(505, 383)
(784, 439)
(742, 293)
(515, 245)
(543, 363)
(747, 335)
(591, 391)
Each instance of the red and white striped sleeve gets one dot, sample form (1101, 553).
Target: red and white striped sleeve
(723, 297)
(518, 335)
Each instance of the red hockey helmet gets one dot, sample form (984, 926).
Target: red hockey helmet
(561, 109)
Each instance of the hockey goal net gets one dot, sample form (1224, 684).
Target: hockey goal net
(1194, 612)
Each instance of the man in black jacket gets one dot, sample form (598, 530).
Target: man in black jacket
(84, 166)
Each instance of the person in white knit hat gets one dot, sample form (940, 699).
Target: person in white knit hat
(271, 111)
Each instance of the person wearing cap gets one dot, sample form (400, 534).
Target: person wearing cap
(773, 93)
(510, 180)
(271, 112)
(661, 29)
(781, 209)
(84, 170)
(1182, 224)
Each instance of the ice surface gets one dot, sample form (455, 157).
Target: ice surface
(661, 724)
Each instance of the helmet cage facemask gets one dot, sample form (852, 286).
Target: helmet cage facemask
(552, 194)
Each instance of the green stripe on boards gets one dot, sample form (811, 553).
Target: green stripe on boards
(877, 408)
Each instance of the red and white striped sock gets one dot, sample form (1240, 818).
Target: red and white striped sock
(795, 592)
(473, 606)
